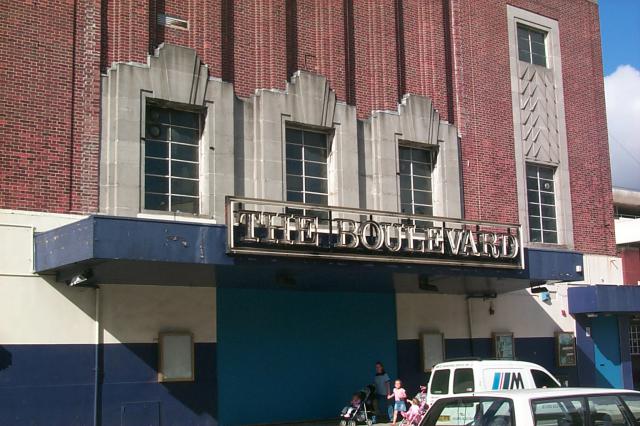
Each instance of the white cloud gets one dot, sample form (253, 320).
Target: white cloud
(622, 93)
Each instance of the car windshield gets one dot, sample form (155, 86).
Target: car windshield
(470, 412)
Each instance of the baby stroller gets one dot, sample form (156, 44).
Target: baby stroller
(362, 413)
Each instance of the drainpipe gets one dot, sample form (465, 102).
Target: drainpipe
(470, 325)
(96, 370)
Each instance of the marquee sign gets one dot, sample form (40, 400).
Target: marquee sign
(263, 227)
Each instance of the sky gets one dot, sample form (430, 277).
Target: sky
(620, 28)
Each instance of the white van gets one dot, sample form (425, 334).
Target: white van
(456, 378)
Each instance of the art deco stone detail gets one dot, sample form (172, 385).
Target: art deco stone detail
(538, 113)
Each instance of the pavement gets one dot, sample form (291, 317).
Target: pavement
(335, 422)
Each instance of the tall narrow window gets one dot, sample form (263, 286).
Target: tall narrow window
(171, 156)
(542, 204)
(416, 166)
(306, 154)
(531, 46)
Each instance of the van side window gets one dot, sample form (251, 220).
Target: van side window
(440, 382)
(463, 380)
(543, 380)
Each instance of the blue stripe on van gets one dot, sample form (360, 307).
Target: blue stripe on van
(496, 381)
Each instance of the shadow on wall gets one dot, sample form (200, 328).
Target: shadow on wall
(540, 350)
(5, 358)
(48, 384)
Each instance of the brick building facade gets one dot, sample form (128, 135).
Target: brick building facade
(106, 266)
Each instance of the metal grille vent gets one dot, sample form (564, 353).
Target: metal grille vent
(173, 22)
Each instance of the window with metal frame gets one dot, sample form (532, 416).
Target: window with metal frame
(306, 166)
(416, 193)
(634, 338)
(171, 160)
(532, 45)
(543, 225)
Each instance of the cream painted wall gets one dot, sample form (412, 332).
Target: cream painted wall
(519, 312)
(35, 309)
(600, 269)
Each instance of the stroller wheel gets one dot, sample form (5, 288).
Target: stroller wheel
(369, 422)
(343, 422)
(351, 423)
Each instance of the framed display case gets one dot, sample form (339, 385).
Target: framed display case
(565, 349)
(175, 357)
(503, 346)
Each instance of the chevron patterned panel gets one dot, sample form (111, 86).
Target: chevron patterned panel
(538, 113)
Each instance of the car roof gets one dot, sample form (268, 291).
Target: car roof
(550, 392)
(486, 363)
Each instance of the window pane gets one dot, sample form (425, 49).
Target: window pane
(158, 115)
(606, 411)
(156, 202)
(294, 167)
(463, 380)
(405, 182)
(294, 151)
(405, 167)
(524, 55)
(546, 173)
(405, 197)
(547, 198)
(315, 154)
(422, 183)
(406, 208)
(532, 171)
(157, 132)
(316, 199)
(543, 380)
(184, 118)
(184, 186)
(184, 204)
(156, 184)
(535, 236)
(559, 412)
(187, 170)
(421, 169)
(184, 152)
(315, 169)
(536, 37)
(294, 196)
(549, 237)
(315, 139)
(538, 60)
(423, 210)
(421, 197)
(534, 222)
(294, 136)
(548, 211)
(180, 134)
(546, 185)
(532, 183)
(404, 153)
(315, 185)
(440, 382)
(549, 224)
(156, 149)
(533, 196)
(156, 167)
(421, 155)
(294, 183)
(633, 402)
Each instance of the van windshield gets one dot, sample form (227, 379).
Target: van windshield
(440, 382)
(543, 380)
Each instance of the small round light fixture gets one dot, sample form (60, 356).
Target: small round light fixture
(154, 131)
(547, 186)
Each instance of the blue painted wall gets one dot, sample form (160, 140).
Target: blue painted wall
(54, 385)
(540, 350)
(295, 355)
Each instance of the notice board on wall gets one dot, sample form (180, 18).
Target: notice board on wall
(431, 349)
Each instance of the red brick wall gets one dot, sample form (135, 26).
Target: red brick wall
(454, 51)
(630, 265)
(49, 114)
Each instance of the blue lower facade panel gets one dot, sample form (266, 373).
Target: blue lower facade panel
(293, 356)
(54, 385)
